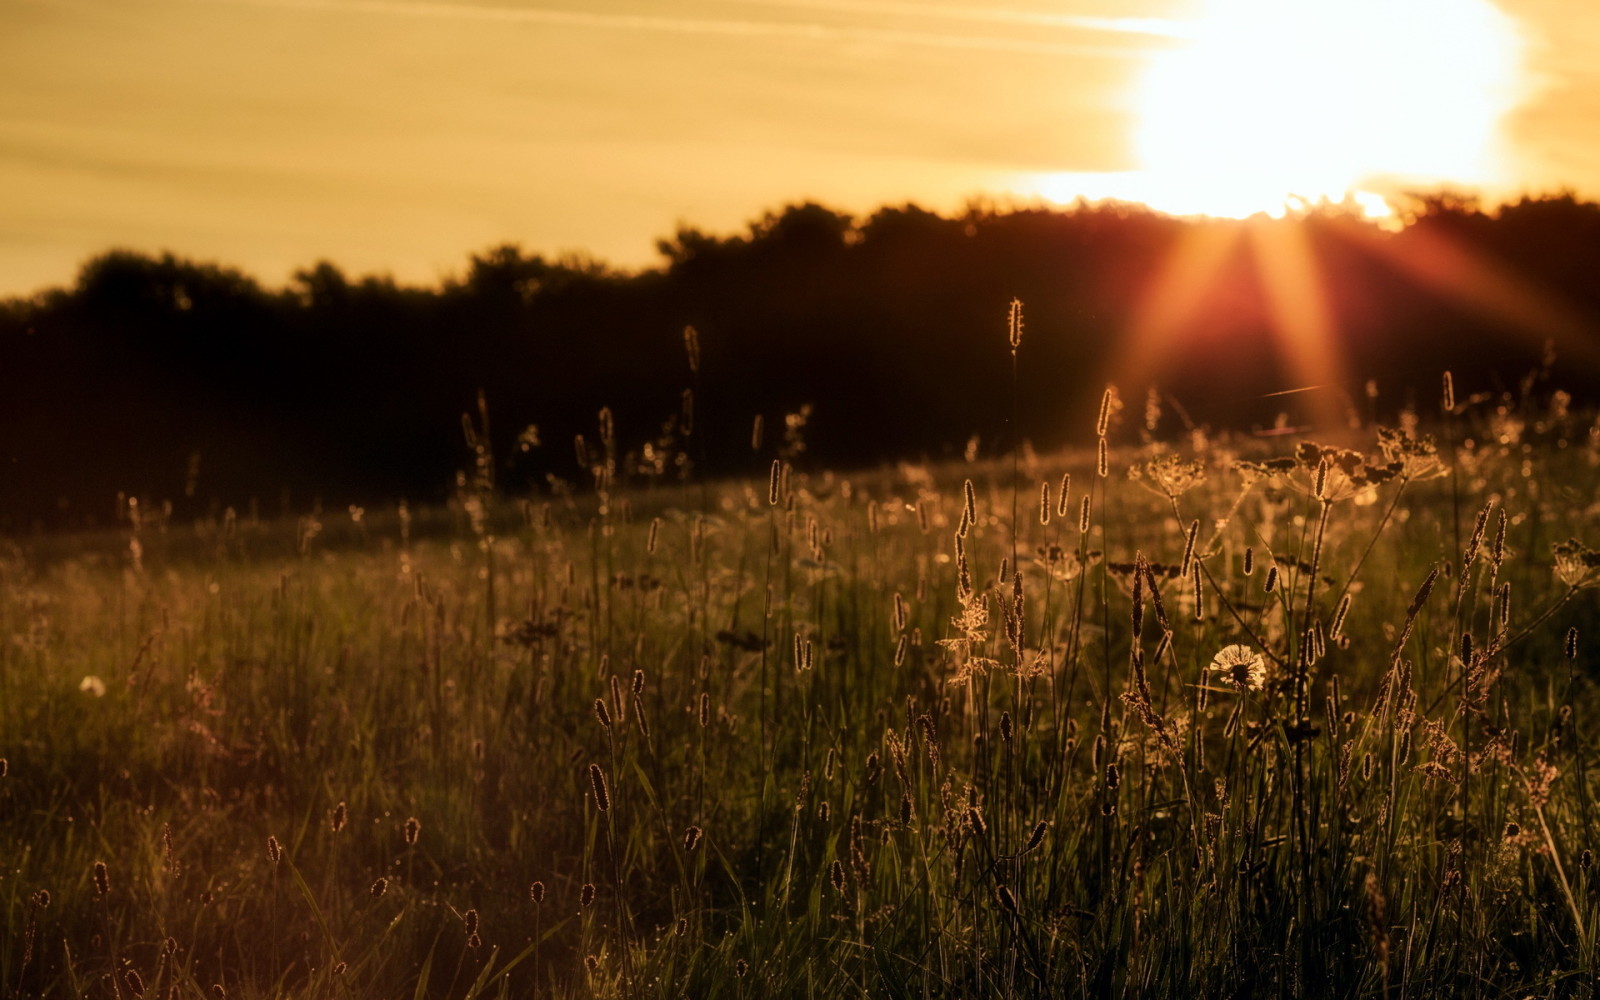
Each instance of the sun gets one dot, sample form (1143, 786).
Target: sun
(1282, 101)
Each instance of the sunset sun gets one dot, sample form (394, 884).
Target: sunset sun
(1270, 101)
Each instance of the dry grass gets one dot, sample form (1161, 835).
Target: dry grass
(1306, 725)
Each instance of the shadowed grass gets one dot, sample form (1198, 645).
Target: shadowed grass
(827, 769)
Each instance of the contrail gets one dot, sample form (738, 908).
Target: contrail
(686, 25)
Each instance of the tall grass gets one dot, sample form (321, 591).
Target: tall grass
(1213, 719)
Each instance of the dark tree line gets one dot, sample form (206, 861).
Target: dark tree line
(170, 379)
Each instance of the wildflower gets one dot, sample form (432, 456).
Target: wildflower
(1415, 459)
(1168, 475)
(1241, 666)
(1575, 563)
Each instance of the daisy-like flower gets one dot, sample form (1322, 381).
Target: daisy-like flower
(1240, 666)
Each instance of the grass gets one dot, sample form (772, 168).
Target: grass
(360, 756)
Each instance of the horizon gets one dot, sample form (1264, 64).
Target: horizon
(396, 138)
(1396, 220)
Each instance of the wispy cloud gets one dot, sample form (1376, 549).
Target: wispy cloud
(1158, 27)
(725, 27)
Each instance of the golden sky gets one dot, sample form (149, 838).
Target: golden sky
(397, 136)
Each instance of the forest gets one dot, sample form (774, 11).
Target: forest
(191, 382)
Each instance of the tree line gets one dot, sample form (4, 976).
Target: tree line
(860, 340)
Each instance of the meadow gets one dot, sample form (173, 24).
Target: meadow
(1181, 714)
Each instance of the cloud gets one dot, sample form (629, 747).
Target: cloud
(728, 27)
(1150, 26)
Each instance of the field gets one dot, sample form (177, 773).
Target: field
(1182, 715)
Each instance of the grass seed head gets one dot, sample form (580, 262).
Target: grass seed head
(586, 895)
(1189, 539)
(341, 815)
(1036, 837)
(602, 794)
(536, 892)
(1337, 627)
(379, 887)
(1007, 901)
(1138, 594)
(691, 838)
(412, 830)
(691, 348)
(102, 879)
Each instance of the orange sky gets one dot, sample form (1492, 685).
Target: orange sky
(398, 136)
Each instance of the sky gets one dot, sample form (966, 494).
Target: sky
(399, 136)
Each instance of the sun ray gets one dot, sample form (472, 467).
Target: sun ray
(1302, 323)
(1491, 288)
(1175, 296)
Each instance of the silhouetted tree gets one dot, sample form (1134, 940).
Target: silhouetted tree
(151, 367)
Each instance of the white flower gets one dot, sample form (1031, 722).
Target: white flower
(1241, 666)
(93, 685)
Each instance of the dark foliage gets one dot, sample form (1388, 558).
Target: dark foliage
(169, 379)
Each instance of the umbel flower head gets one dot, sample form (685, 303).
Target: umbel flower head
(1240, 666)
